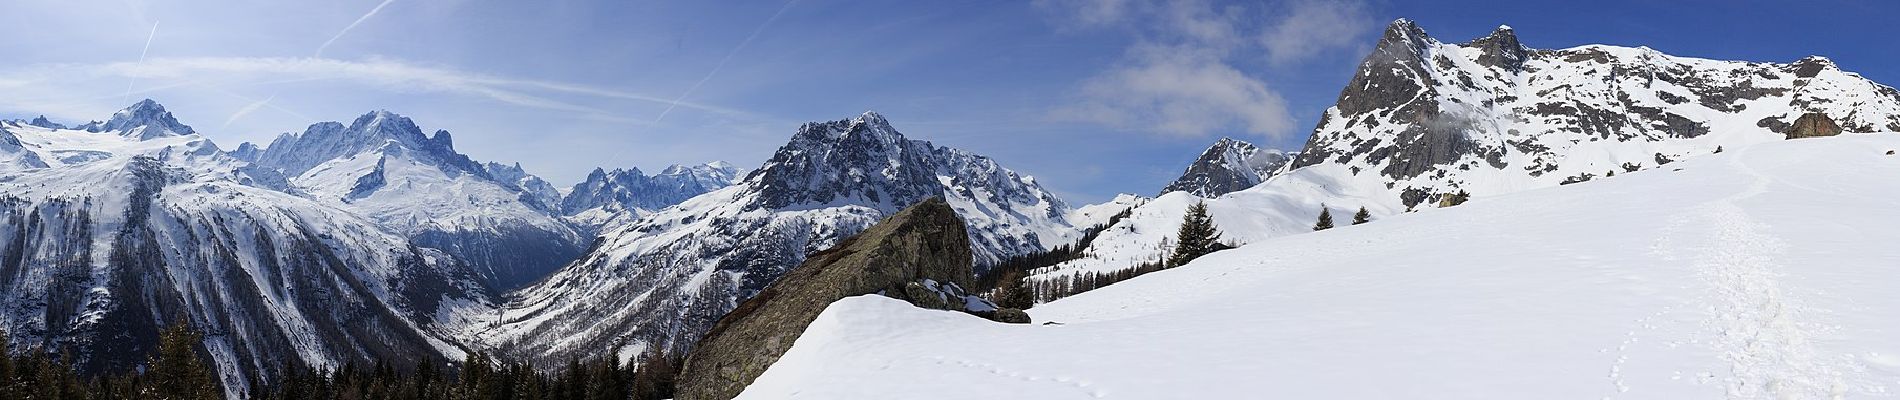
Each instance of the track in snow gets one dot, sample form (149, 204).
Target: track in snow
(1761, 330)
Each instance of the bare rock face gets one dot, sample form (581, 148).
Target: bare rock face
(1813, 124)
(925, 241)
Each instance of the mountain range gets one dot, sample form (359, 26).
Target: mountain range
(373, 240)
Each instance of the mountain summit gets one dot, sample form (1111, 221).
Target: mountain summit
(144, 120)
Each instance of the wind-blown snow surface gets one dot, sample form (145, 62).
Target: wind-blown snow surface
(1764, 272)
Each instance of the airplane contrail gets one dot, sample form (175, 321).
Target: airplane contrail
(346, 30)
(247, 109)
(142, 52)
(722, 61)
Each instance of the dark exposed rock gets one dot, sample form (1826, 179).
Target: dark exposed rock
(1226, 167)
(925, 241)
(1813, 124)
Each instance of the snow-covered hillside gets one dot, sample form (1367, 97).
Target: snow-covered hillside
(1424, 119)
(110, 234)
(383, 167)
(668, 276)
(1761, 272)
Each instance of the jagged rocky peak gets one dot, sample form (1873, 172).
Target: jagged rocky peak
(630, 189)
(863, 159)
(1501, 49)
(381, 130)
(144, 120)
(1492, 115)
(1228, 166)
(42, 122)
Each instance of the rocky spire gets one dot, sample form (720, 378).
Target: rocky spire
(1501, 49)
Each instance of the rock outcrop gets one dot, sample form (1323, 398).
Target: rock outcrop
(1813, 124)
(924, 242)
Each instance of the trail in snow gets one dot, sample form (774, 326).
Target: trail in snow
(1760, 328)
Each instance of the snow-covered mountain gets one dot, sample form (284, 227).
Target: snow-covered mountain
(1424, 119)
(1760, 273)
(109, 235)
(608, 198)
(1226, 167)
(503, 223)
(667, 277)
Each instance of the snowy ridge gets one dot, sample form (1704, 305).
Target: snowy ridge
(1226, 167)
(610, 198)
(1727, 276)
(665, 278)
(383, 167)
(1424, 119)
(113, 234)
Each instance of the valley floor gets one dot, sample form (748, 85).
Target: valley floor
(1765, 272)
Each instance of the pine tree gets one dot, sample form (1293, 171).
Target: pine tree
(1718, 149)
(176, 371)
(654, 379)
(1010, 292)
(1197, 236)
(6, 367)
(1361, 217)
(1325, 219)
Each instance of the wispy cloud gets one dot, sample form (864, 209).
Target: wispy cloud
(1187, 73)
(722, 61)
(346, 30)
(1311, 27)
(380, 74)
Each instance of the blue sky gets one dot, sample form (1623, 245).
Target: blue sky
(1094, 97)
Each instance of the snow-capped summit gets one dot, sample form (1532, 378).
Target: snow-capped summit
(109, 235)
(144, 120)
(42, 122)
(383, 166)
(608, 198)
(664, 279)
(1227, 166)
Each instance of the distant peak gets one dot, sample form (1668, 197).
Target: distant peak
(1501, 49)
(147, 119)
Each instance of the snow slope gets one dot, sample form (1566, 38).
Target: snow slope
(1763, 272)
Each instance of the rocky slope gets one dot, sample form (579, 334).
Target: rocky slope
(503, 224)
(111, 234)
(665, 279)
(1226, 167)
(924, 242)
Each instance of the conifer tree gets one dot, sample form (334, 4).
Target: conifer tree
(6, 367)
(1197, 236)
(176, 372)
(1361, 217)
(654, 379)
(1010, 292)
(1325, 219)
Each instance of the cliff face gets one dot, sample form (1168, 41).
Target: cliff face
(925, 241)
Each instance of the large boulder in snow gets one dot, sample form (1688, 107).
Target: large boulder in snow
(927, 241)
(1813, 124)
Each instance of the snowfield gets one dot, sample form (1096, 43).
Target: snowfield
(1762, 272)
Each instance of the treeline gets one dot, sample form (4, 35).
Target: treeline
(1047, 290)
(1005, 282)
(178, 370)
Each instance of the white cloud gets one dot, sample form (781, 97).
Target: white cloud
(1178, 92)
(1313, 26)
(1186, 75)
